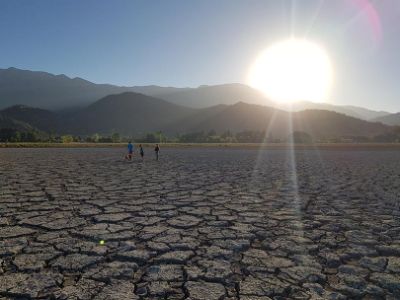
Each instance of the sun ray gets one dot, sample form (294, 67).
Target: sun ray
(292, 18)
(314, 18)
(292, 163)
(254, 176)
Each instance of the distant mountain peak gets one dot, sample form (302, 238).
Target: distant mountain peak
(392, 119)
(60, 92)
(18, 106)
(49, 91)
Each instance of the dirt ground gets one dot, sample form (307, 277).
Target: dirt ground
(201, 223)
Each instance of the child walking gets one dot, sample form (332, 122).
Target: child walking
(141, 151)
(130, 151)
(157, 150)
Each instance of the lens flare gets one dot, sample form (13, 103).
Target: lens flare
(365, 7)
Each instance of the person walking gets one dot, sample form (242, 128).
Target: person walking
(130, 151)
(141, 151)
(157, 150)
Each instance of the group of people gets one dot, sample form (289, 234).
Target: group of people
(141, 151)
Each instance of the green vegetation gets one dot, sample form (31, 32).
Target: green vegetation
(8, 135)
(13, 135)
(67, 139)
(301, 137)
(211, 137)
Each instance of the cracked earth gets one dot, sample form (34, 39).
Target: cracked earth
(199, 224)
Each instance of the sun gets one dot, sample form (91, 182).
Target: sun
(293, 70)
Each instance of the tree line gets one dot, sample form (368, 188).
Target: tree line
(8, 135)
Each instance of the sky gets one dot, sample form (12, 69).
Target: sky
(191, 43)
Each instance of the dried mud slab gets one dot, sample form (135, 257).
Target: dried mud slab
(199, 224)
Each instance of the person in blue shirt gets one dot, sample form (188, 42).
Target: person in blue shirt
(130, 151)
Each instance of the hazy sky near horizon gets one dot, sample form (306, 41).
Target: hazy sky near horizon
(190, 43)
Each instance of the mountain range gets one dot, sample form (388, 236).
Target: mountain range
(133, 114)
(61, 93)
(58, 104)
(392, 119)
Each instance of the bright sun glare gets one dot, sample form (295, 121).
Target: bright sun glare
(293, 70)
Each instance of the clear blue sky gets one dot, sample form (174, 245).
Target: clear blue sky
(190, 43)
